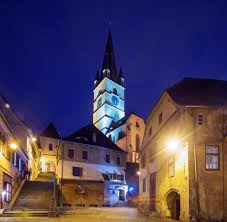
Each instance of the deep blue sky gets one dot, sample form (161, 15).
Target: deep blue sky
(49, 51)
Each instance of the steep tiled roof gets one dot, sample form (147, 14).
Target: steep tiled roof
(197, 91)
(51, 131)
(85, 136)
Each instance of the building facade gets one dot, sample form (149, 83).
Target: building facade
(90, 168)
(18, 150)
(183, 158)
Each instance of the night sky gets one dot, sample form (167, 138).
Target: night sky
(50, 51)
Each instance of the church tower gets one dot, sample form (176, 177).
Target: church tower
(109, 91)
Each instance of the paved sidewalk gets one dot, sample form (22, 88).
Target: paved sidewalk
(93, 215)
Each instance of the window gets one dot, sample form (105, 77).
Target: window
(118, 160)
(115, 91)
(150, 131)
(160, 118)
(85, 155)
(137, 125)
(107, 158)
(71, 153)
(120, 177)
(121, 135)
(143, 161)
(144, 184)
(200, 119)
(77, 171)
(137, 143)
(171, 168)
(50, 146)
(99, 103)
(212, 158)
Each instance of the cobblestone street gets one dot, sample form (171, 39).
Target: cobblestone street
(93, 215)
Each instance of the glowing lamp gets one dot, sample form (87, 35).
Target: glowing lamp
(1, 154)
(138, 173)
(7, 105)
(34, 139)
(172, 145)
(13, 146)
(130, 189)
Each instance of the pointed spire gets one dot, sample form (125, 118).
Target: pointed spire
(121, 77)
(121, 73)
(109, 59)
(97, 75)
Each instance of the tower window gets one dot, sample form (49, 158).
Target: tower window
(144, 184)
(99, 103)
(137, 125)
(115, 91)
(160, 118)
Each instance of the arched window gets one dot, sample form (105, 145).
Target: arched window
(115, 91)
(137, 125)
(110, 137)
(137, 143)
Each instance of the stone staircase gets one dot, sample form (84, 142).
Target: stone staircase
(34, 199)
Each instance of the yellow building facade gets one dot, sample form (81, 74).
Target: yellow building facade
(182, 167)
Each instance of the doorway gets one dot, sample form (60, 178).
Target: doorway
(173, 204)
(121, 195)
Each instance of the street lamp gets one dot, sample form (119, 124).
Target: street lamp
(34, 139)
(172, 145)
(13, 146)
(138, 173)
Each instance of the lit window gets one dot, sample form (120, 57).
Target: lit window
(50, 146)
(160, 118)
(144, 184)
(200, 119)
(77, 171)
(85, 155)
(118, 160)
(212, 158)
(171, 168)
(71, 153)
(107, 158)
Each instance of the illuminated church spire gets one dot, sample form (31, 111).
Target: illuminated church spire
(109, 92)
(109, 65)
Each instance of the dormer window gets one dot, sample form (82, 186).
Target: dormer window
(106, 72)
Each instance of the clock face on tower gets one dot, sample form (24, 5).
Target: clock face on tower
(115, 100)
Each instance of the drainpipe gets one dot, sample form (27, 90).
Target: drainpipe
(196, 171)
(62, 168)
(223, 166)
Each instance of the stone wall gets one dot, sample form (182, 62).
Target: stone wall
(92, 193)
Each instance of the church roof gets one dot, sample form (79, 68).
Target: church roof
(199, 92)
(51, 132)
(85, 136)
